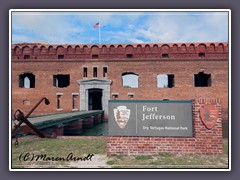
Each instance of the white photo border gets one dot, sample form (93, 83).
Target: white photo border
(118, 10)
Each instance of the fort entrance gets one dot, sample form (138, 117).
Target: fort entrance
(94, 94)
(95, 99)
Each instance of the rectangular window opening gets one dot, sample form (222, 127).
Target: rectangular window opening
(130, 96)
(105, 72)
(129, 55)
(165, 80)
(85, 72)
(26, 56)
(201, 55)
(60, 56)
(95, 56)
(95, 72)
(165, 56)
(170, 80)
(202, 80)
(115, 96)
(61, 80)
(59, 101)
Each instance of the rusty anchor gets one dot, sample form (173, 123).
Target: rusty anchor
(19, 116)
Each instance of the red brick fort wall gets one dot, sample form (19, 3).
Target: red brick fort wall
(183, 61)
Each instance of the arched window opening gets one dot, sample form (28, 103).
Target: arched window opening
(27, 80)
(130, 79)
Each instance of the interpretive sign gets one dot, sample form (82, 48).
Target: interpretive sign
(150, 118)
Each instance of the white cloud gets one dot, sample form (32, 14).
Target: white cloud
(136, 41)
(184, 28)
(50, 28)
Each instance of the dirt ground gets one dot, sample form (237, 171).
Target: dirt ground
(98, 161)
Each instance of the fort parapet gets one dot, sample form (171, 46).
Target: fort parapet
(34, 51)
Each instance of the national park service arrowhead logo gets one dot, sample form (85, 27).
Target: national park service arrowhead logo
(209, 115)
(122, 115)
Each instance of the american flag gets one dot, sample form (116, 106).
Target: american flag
(96, 25)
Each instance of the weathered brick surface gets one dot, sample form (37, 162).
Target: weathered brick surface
(147, 62)
(204, 141)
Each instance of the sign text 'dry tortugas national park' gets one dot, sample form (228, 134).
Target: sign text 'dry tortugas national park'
(150, 118)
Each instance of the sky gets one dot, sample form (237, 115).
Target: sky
(119, 27)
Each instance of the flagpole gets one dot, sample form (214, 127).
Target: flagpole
(99, 34)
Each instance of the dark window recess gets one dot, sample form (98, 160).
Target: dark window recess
(85, 72)
(202, 55)
(58, 101)
(129, 55)
(130, 96)
(165, 55)
(105, 72)
(95, 72)
(27, 80)
(61, 80)
(95, 56)
(202, 80)
(26, 56)
(170, 80)
(60, 56)
(115, 96)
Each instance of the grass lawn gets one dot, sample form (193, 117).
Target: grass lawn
(81, 147)
(60, 147)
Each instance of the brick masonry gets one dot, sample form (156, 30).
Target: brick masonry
(204, 141)
(147, 62)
